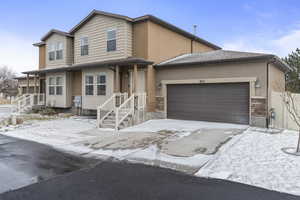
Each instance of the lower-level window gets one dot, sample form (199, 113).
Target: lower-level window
(51, 86)
(89, 85)
(59, 85)
(95, 85)
(56, 85)
(101, 85)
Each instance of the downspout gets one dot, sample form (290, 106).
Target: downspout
(192, 45)
(268, 95)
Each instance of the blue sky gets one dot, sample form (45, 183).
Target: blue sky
(271, 26)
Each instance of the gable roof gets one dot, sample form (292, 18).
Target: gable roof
(52, 31)
(94, 13)
(140, 19)
(221, 56)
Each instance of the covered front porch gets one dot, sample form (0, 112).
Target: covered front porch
(89, 86)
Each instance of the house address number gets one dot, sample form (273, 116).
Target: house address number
(201, 81)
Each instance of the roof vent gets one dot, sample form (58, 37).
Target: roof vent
(195, 29)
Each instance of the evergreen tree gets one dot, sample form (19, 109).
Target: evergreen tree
(293, 77)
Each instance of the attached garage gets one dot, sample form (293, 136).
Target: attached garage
(215, 102)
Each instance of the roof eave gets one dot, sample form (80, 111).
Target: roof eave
(38, 44)
(138, 61)
(55, 31)
(217, 61)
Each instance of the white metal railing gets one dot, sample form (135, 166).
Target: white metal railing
(109, 106)
(27, 101)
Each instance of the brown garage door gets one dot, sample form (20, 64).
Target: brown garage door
(226, 102)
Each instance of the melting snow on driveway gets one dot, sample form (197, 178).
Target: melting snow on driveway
(256, 158)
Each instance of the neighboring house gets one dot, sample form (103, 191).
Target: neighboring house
(32, 87)
(184, 76)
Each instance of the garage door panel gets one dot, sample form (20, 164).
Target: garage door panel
(227, 102)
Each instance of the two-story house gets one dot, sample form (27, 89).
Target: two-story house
(107, 60)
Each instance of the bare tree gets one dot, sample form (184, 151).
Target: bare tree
(8, 86)
(290, 104)
(6, 73)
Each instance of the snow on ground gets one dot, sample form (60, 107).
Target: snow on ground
(5, 111)
(179, 126)
(73, 135)
(256, 158)
(53, 132)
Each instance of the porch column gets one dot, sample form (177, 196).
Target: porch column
(151, 100)
(35, 83)
(135, 78)
(27, 89)
(117, 82)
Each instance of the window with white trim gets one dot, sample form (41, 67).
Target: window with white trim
(59, 85)
(84, 46)
(51, 51)
(55, 85)
(59, 50)
(51, 86)
(111, 40)
(89, 85)
(101, 84)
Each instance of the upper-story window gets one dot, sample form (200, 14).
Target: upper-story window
(55, 51)
(51, 51)
(84, 46)
(59, 50)
(111, 40)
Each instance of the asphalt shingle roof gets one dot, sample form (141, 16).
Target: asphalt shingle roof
(219, 56)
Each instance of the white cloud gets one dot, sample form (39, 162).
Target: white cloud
(280, 46)
(17, 52)
(288, 42)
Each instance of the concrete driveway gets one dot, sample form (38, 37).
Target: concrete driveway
(182, 145)
(23, 163)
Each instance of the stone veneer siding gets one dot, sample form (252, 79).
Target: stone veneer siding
(259, 112)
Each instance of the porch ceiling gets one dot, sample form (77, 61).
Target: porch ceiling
(125, 61)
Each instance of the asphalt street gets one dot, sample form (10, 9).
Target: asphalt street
(23, 163)
(123, 181)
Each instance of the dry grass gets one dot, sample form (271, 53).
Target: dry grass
(4, 101)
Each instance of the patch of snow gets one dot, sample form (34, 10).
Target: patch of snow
(53, 132)
(152, 153)
(219, 175)
(256, 158)
(179, 125)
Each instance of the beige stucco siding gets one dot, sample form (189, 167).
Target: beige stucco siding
(96, 31)
(140, 40)
(214, 71)
(92, 102)
(42, 57)
(164, 44)
(276, 78)
(67, 49)
(76, 83)
(199, 47)
(60, 101)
